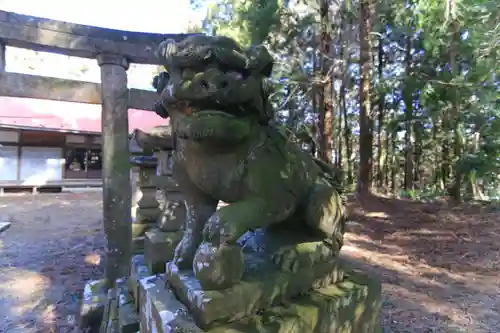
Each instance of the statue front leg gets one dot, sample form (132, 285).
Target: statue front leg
(229, 223)
(219, 262)
(199, 209)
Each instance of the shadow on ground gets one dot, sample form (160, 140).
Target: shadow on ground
(54, 245)
(439, 265)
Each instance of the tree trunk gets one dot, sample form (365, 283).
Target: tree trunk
(394, 152)
(455, 190)
(340, 153)
(387, 145)
(314, 89)
(365, 118)
(409, 135)
(382, 155)
(341, 91)
(474, 188)
(326, 101)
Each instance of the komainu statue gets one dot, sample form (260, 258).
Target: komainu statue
(281, 231)
(217, 97)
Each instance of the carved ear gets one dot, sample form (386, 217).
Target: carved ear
(268, 69)
(160, 81)
(260, 61)
(267, 111)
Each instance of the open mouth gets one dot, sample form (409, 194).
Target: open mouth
(206, 110)
(212, 113)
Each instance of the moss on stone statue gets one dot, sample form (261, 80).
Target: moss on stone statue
(262, 286)
(351, 306)
(227, 149)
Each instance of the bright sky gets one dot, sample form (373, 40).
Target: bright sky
(167, 16)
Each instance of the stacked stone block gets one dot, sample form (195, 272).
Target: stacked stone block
(145, 209)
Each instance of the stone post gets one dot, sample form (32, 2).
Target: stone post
(146, 207)
(116, 166)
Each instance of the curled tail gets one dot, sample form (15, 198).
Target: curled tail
(333, 175)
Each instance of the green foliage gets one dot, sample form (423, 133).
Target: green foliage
(454, 116)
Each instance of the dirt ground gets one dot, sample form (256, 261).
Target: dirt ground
(54, 244)
(439, 265)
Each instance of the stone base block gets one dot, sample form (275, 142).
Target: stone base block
(138, 245)
(4, 226)
(166, 182)
(147, 198)
(263, 285)
(94, 301)
(350, 306)
(128, 319)
(139, 229)
(92, 307)
(159, 248)
(160, 311)
(147, 215)
(138, 236)
(139, 270)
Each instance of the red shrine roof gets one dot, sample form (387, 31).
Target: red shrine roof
(65, 116)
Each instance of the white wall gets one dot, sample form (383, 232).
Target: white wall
(41, 164)
(9, 136)
(8, 163)
(71, 138)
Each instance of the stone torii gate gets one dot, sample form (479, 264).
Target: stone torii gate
(114, 50)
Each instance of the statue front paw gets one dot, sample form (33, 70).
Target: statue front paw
(288, 260)
(302, 256)
(218, 267)
(184, 253)
(219, 230)
(160, 81)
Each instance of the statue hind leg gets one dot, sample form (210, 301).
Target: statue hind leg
(324, 215)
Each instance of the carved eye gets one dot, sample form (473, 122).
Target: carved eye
(204, 84)
(187, 74)
(235, 75)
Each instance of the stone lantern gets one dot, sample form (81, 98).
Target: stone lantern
(145, 206)
(161, 237)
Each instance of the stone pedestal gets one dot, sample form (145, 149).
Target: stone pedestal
(350, 306)
(328, 297)
(251, 295)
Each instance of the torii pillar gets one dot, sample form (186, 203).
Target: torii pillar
(116, 166)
